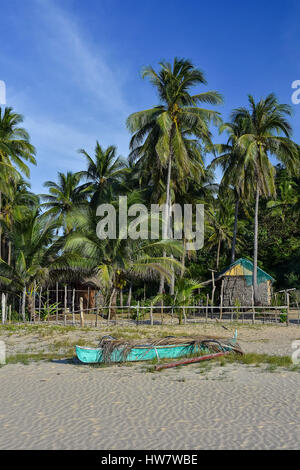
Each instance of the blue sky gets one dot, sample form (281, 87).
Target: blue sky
(72, 67)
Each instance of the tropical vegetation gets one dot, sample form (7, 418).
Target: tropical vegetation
(253, 210)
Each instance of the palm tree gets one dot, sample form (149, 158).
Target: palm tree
(184, 296)
(159, 132)
(65, 196)
(113, 259)
(15, 147)
(104, 172)
(231, 162)
(15, 209)
(288, 198)
(220, 220)
(161, 127)
(15, 143)
(268, 133)
(34, 253)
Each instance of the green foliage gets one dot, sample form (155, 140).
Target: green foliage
(48, 309)
(56, 240)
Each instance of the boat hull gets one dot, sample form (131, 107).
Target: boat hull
(141, 353)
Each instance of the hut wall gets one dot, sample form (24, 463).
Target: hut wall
(236, 288)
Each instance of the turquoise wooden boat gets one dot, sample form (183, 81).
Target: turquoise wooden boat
(148, 352)
(139, 353)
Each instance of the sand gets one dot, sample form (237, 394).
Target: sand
(259, 338)
(62, 405)
(66, 406)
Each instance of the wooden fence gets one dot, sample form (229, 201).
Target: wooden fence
(152, 314)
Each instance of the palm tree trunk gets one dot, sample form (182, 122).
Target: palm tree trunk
(218, 253)
(166, 220)
(167, 224)
(236, 215)
(255, 254)
(129, 296)
(172, 286)
(112, 304)
(23, 304)
(162, 279)
(9, 254)
(183, 258)
(30, 306)
(0, 226)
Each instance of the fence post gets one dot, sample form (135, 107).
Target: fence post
(23, 304)
(34, 295)
(57, 302)
(40, 303)
(81, 313)
(221, 306)
(288, 309)
(206, 311)
(213, 290)
(65, 305)
(96, 320)
(138, 312)
(3, 308)
(252, 301)
(151, 314)
(73, 307)
(48, 305)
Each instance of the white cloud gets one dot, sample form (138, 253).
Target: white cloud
(82, 62)
(59, 131)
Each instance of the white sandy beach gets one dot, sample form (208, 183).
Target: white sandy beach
(67, 406)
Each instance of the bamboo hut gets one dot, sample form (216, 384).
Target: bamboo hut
(237, 280)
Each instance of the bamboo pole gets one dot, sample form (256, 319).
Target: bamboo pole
(57, 301)
(129, 296)
(34, 295)
(221, 300)
(184, 315)
(3, 307)
(40, 303)
(213, 289)
(20, 308)
(151, 314)
(23, 304)
(121, 300)
(97, 308)
(73, 307)
(48, 305)
(252, 301)
(112, 297)
(65, 309)
(81, 313)
(190, 361)
(206, 310)
(96, 320)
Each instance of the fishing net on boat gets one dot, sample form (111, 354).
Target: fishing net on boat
(191, 344)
